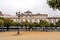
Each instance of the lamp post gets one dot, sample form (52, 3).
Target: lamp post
(18, 14)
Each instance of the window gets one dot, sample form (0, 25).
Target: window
(23, 20)
(28, 20)
(43, 16)
(23, 16)
(54, 20)
(33, 20)
(50, 20)
(28, 16)
(37, 17)
(38, 20)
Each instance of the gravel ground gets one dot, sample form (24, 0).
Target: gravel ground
(30, 35)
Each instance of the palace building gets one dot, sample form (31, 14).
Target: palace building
(30, 17)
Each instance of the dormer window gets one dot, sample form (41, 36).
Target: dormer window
(28, 13)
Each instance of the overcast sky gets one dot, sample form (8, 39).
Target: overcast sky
(36, 6)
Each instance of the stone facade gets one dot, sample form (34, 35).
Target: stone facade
(28, 16)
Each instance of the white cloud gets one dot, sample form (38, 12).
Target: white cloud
(11, 6)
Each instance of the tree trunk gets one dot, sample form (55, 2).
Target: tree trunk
(26, 28)
(7, 28)
(45, 28)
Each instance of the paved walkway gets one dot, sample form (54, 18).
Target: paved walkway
(30, 35)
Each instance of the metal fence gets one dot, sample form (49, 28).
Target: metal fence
(14, 28)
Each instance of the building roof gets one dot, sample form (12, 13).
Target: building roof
(34, 15)
(10, 17)
(1, 14)
(42, 14)
(28, 12)
(53, 17)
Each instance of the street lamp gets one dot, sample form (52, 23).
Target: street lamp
(18, 14)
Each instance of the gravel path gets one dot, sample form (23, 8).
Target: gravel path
(32, 35)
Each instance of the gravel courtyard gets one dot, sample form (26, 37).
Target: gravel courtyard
(30, 35)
